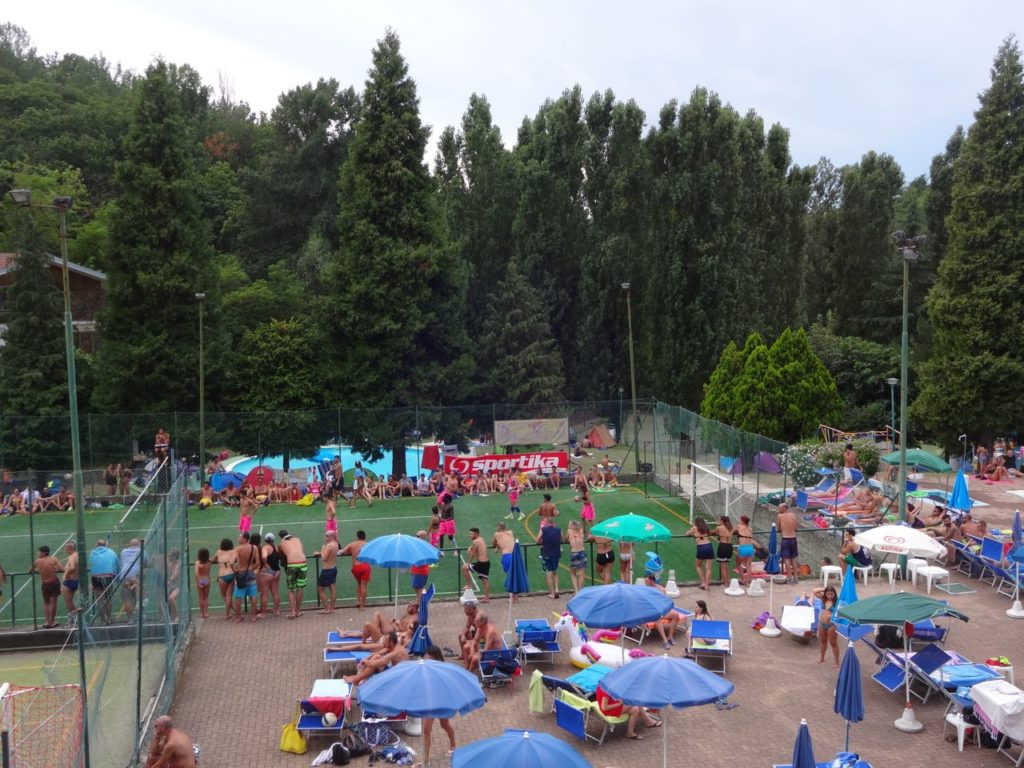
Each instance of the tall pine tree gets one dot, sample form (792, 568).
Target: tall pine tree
(33, 377)
(159, 259)
(399, 290)
(976, 306)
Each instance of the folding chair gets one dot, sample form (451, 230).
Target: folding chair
(711, 640)
(499, 667)
(928, 631)
(892, 675)
(574, 714)
(921, 666)
(537, 641)
(557, 684)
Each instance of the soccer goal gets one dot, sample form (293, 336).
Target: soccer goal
(713, 495)
(43, 725)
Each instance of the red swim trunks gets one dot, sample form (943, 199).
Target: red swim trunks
(361, 571)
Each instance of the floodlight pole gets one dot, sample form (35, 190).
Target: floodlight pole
(632, 375)
(201, 298)
(892, 382)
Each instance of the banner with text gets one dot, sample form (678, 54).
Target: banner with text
(531, 432)
(510, 462)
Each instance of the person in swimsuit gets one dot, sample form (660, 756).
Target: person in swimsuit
(504, 540)
(447, 525)
(744, 549)
(173, 583)
(577, 556)
(248, 562)
(161, 444)
(224, 558)
(360, 571)
(478, 562)
(513, 500)
(705, 552)
(605, 558)
(419, 575)
(48, 566)
(435, 653)
(392, 653)
(550, 540)
(202, 574)
(827, 633)
(723, 554)
(790, 553)
(434, 529)
(69, 586)
(587, 510)
(626, 562)
(331, 511)
(268, 580)
(290, 549)
(110, 479)
(853, 553)
(325, 583)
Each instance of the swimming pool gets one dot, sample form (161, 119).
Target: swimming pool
(349, 457)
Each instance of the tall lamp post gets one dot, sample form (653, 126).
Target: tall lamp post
(632, 375)
(23, 197)
(892, 382)
(201, 298)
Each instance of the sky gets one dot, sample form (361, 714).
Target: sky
(844, 78)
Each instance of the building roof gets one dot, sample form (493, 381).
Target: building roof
(7, 261)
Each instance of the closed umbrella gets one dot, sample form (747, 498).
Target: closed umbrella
(631, 528)
(421, 637)
(516, 581)
(397, 550)
(665, 681)
(899, 610)
(1017, 555)
(519, 749)
(849, 703)
(960, 499)
(772, 566)
(803, 750)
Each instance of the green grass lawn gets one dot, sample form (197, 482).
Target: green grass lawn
(208, 527)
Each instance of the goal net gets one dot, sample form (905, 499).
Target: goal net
(44, 725)
(714, 495)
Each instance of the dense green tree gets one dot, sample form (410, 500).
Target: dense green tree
(811, 397)
(397, 288)
(158, 260)
(720, 402)
(33, 377)
(976, 307)
(278, 385)
(822, 227)
(519, 358)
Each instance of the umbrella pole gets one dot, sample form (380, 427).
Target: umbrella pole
(908, 722)
(770, 629)
(1017, 610)
(847, 747)
(396, 593)
(664, 739)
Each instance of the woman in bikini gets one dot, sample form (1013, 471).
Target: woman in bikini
(577, 556)
(744, 549)
(110, 479)
(268, 581)
(705, 552)
(202, 574)
(587, 511)
(225, 558)
(723, 554)
(827, 633)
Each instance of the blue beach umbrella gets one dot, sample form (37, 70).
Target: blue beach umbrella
(515, 749)
(848, 596)
(1017, 556)
(772, 565)
(803, 750)
(421, 637)
(610, 606)
(422, 688)
(516, 582)
(959, 499)
(665, 681)
(398, 550)
(849, 703)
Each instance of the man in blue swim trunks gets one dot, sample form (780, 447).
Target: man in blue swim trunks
(70, 585)
(325, 583)
(504, 540)
(550, 540)
(789, 552)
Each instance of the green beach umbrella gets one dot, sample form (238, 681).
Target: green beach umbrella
(920, 459)
(896, 609)
(631, 529)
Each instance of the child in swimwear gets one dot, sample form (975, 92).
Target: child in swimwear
(587, 512)
(434, 529)
(332, 512)
(202, 572)
(513, 499)
(314, 488)
(577, 556)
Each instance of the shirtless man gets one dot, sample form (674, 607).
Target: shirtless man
(392, 653)
(788, 524)
(360, 571)
(161, 444)
(378, 626)
(325, 583)
(488, 639)
(48, 566)
(70, 585)
(504, 540)
(605, 557)
(467, 637)
(477, 562)
(171, 747)
(246, 558)
(546, 510)
(290, 549)
(850, 463)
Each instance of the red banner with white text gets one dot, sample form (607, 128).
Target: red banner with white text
(542, 461)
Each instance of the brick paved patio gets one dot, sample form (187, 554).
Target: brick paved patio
(240, 684)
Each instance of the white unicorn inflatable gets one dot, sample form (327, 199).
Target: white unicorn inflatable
(591, 650)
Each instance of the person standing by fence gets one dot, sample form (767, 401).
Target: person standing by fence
(104, 566)
(48, 566)
(131, 567)
(70, 585)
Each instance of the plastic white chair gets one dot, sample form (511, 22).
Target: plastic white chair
(892, 570)
(828, 571)
(863, 571)
(963, 728)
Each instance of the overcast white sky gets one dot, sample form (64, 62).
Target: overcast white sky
(844, 77)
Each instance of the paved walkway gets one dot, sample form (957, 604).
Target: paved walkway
(241, 682)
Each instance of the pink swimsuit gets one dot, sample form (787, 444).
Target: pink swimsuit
(587, 513)
(244, 523)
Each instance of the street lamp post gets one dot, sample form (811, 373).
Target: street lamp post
(632, 374)
(892, 382)
(201, 298)
(23, 197)
(619, 433)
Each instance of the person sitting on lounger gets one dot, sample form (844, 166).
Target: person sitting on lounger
(374, 629)
(392, 653)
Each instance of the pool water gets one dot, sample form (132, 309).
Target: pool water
(327, 453)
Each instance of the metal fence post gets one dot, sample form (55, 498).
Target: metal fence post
(84, 684)
(32, 548)
(140, 606)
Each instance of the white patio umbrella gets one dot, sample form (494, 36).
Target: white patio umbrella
(900, 540)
